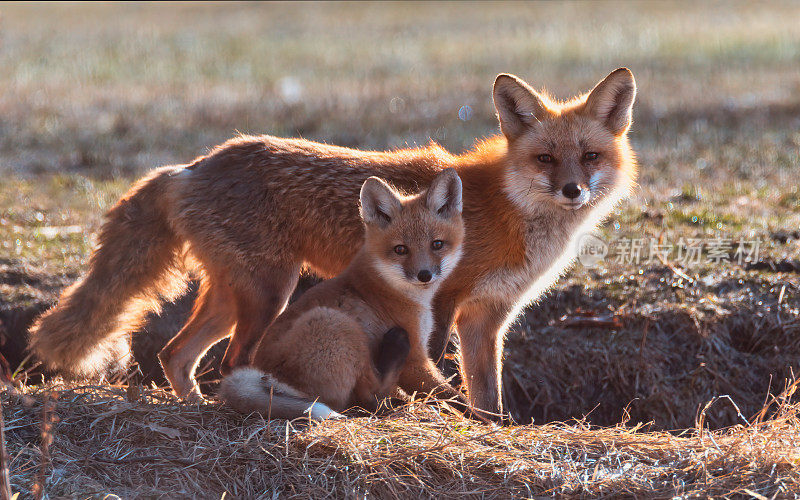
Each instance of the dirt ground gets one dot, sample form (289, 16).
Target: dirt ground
(94, 96)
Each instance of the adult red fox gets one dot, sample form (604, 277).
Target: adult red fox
(353, 339)
(257, 210)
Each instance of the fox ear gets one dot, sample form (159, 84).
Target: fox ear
(444, 194)
(379, 202)
(611, 101)
(518, 105)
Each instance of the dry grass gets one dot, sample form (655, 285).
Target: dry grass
(94, 95)
(674, 347)
(151, 445)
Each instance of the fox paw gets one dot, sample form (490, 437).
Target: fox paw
(393, 350)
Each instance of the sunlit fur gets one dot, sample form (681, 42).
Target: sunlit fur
(566, 135)
(415, 227)
(250, 390)
(322, 347)
(258, 209)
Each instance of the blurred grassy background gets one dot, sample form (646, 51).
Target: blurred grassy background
(94, 95)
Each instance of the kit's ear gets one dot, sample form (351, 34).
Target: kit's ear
(444, 194)
(379, 202)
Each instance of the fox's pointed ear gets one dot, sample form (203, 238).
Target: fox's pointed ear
(611, 101)
(518, 105)
(444, 194)
(379, 202)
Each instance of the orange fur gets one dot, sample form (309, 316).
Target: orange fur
(322, 347)
(256, 210)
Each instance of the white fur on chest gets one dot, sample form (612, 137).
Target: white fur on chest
(551, 245)
(422, 297)
(540, 269)
(425, 324)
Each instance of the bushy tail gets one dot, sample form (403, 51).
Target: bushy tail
(249, 390)
(135, 266)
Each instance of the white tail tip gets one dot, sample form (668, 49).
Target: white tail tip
(320, 411)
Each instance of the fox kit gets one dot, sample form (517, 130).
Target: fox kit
(257, 210)
(346, 340)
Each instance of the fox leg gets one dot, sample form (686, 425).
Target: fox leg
(480, 332)
(387, 364)
(421, 375)
(325, 354)
(212, 320)
(259, 298)
(392, 354)
(444, 311)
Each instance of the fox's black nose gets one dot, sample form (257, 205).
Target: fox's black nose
(571, 190)
(424, 276)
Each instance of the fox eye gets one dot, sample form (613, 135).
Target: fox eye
(401, 249)
(545, 158)
(437, 244)
(590, 156)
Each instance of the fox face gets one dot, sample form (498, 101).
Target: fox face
(415, 241)
(571, 154)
